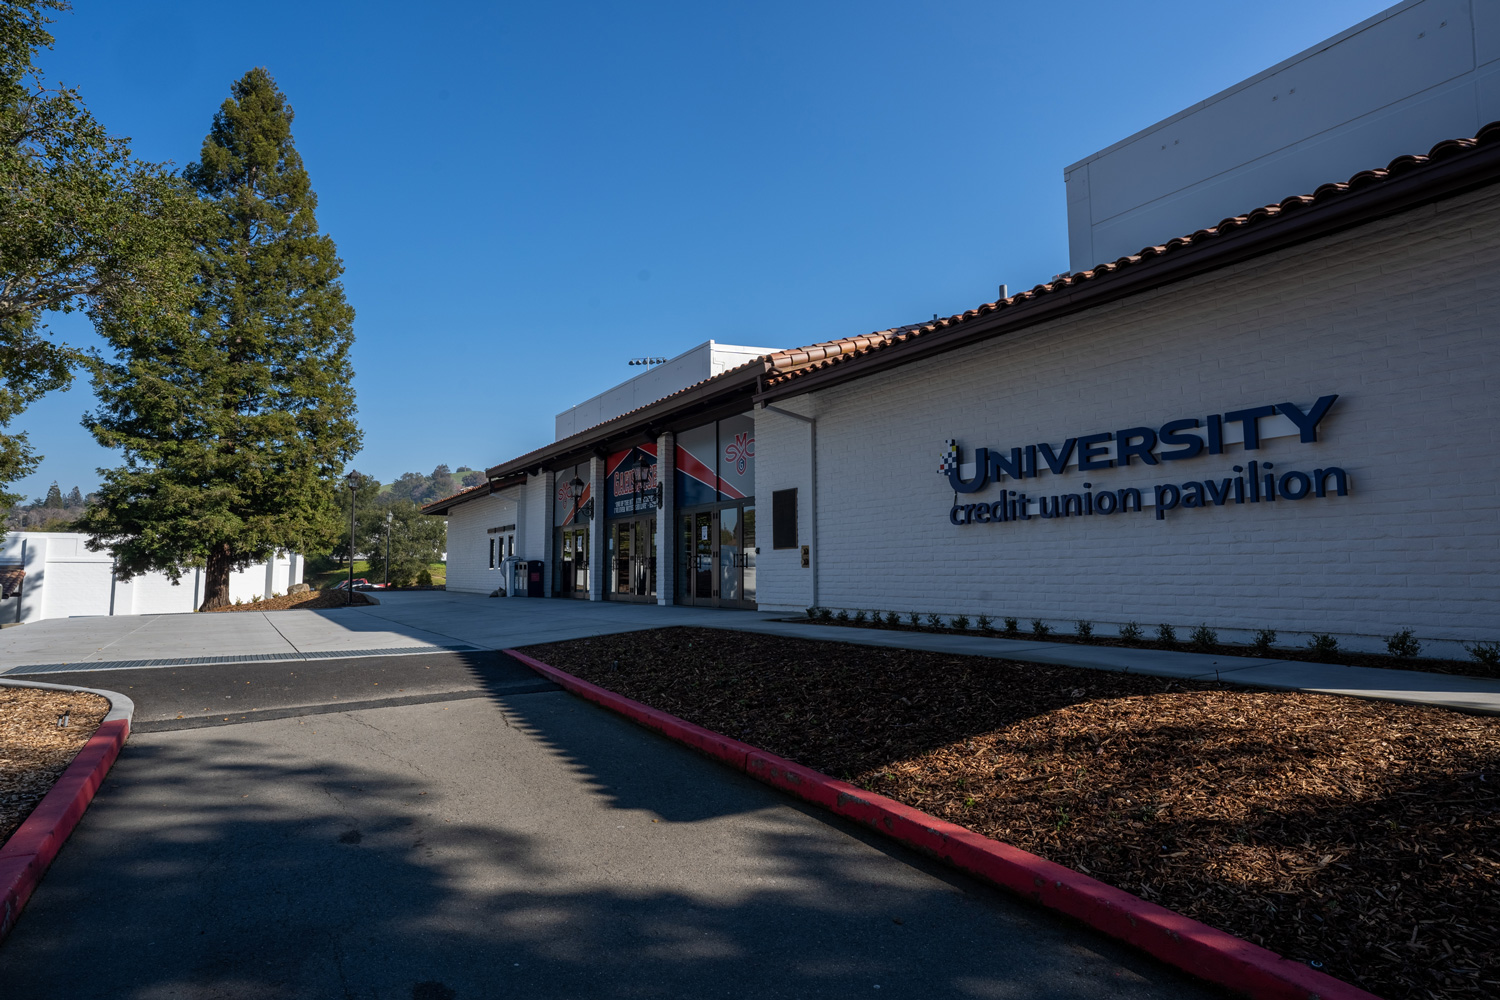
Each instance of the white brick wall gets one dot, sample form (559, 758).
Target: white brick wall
(783, 460)
(1399, 318)
(469, 539)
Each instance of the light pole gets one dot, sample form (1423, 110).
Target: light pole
(351, 481)
(389, 516)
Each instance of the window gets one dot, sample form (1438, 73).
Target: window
(784, 519)
(492, 553)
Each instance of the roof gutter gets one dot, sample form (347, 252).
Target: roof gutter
(1375, 199)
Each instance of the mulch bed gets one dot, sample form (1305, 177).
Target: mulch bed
(34, 751)
(308, 600)
(1301, 654)
(1362, 835)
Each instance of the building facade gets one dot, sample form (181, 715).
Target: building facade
(1278, 423)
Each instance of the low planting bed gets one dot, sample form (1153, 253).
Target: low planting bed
(1484, 660)
(1364, 836)
(34, 750)
(308, 600)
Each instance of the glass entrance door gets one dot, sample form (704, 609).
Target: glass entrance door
(572, 577)
(632, 559)
(716, 560)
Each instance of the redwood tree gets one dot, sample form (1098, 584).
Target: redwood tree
(235, 413)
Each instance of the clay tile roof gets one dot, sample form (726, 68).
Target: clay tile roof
(1258, 217)
(748, 372)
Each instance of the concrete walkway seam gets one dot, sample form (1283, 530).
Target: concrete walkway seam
(26, 856)
(1194, 947)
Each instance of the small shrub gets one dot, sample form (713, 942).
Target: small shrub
(842, 616)
(915, 618)
(859, 617)
(825, 615)
(1486, 654)
(934, 621)
(1263, 641)
(1166, 634)
(986, 623)
(1040, 629)
(1130, 633)
(424, 578)
(1012, 627)
(275, 594)
(1084, 629)
(960, 622)
(812, 614)
(1403, 644)
(892, 619)
(1324, 645)
(1205, 637)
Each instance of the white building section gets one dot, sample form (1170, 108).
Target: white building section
(63, 579)
(1398, 83)
(688, 368)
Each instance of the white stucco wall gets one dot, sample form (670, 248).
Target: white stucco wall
(64, 580)
(688, 368)
(1401, 318)
(1413, 75)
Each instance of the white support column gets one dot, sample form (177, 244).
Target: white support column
(666, 518)
(541, 516)
(598, 571)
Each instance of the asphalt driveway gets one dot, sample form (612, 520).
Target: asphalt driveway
(442, 826)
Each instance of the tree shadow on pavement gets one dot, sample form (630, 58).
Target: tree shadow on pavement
(240, 862)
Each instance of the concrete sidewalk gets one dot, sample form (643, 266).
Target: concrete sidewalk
(430, 621)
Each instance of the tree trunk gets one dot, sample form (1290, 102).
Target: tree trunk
(216, 578)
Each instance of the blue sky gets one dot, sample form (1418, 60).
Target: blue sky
(525, 196)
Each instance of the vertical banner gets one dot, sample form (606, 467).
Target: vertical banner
(628, 475)
(696, 481)
(736, 469)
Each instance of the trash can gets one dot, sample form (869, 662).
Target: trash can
(513, 572)
(534, 569)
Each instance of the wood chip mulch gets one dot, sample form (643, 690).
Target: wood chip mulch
(34, 751)
(308, 600)
(1362, 835)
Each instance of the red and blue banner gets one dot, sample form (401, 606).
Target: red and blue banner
(716, 462)
(630, 481)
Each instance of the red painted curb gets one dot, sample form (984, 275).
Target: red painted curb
(29, 852)
(1188, 944)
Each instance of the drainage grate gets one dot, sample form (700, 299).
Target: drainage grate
(189, 661)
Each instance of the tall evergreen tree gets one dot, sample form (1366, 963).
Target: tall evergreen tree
(236, 415)
(54, 497)
(81, 223)
(74, 498)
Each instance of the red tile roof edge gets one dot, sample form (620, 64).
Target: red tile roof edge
(785, 360)
(1259, 217)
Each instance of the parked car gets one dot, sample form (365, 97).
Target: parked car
(360, 583)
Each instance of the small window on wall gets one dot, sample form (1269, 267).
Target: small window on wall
(784, 519)
(492, 553)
